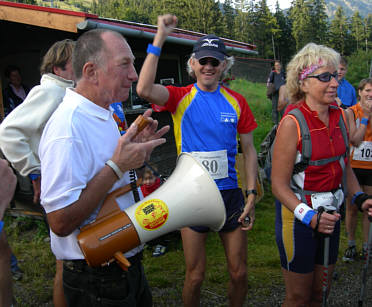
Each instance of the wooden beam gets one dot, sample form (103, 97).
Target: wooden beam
(41, 18)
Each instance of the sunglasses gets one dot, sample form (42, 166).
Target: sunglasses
(214, 62)
(325, 77)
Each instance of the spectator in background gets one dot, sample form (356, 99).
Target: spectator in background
(21, 130)
(7, 187)
(16, 91)
(150, 183)
(345, 91)
(360, 116)
(277, 78)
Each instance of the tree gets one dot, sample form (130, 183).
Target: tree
(284, 42)
(357, 30)
(229, 19)
(301, 17)
(243, 28)
(358, 66)
(338, 32)
(265, 29)
(368, 32)
(319, 21)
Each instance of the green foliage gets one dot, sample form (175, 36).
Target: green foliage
(357, 30)
(338, 32)
(319, 21)
(359, 65)
(255, 94)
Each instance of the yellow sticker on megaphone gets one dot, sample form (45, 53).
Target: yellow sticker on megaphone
(152, 214)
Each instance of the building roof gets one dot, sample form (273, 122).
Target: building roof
(72, 21)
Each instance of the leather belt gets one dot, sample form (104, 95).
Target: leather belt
(81, 265)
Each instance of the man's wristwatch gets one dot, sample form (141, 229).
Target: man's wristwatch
(247, 192)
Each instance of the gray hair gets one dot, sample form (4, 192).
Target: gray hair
(90, 47)
(229, 63)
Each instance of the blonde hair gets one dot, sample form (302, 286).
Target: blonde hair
(57, 56)
(311, 54)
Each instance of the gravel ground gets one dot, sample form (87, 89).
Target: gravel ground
(345, 291)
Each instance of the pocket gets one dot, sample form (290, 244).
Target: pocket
(115, 290)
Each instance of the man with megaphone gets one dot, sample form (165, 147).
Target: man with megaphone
(208, 118)
(83, 158)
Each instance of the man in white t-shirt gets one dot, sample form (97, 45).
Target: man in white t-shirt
(83, 157)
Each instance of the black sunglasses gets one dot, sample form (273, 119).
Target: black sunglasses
(214, 62)
(325, 77)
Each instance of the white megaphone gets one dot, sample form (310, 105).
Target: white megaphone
(189, 197)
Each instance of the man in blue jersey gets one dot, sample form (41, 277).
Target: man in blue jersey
(345, 91)
(208, 120)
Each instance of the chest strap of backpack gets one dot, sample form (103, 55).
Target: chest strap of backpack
(307, 151)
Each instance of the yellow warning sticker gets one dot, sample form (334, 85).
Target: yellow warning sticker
(152, 214)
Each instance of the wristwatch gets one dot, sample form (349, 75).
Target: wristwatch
(247, 192)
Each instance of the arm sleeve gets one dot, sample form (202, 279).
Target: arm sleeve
(63, 178)
(21, 130)
(175, 96)
(247, 122)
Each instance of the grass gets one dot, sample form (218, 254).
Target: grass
(82, 5)
(29, 241)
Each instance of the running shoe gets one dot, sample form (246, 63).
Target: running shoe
(159, 250)
(350, 254)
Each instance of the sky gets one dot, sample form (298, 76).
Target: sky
(283, 4)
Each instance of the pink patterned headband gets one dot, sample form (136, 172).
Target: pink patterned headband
(310, 69)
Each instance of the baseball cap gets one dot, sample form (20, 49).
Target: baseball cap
(210, 46)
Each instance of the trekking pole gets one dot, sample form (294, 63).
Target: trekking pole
(365, 266)
(326, 240)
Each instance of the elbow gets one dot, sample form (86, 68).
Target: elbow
(59, 227)
(60, 230)
(142, 91)
(274, 187)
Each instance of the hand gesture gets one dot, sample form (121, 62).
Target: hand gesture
(134, 149)
(166, 24)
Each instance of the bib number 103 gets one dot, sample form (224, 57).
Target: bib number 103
(363, 152)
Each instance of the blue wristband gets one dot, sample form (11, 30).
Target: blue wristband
(308, 216)
(34, 176)
(364, 121)
(1, 226)
(355, 196)
(153, 49)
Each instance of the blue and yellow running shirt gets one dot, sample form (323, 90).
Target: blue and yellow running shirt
(207, 124)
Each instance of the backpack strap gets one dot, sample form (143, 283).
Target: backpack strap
(306, 142)
(344, 132)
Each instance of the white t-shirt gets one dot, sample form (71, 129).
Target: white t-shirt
(76, 142)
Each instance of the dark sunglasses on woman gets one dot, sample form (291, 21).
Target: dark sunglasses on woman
(325, 77)
(214, 62)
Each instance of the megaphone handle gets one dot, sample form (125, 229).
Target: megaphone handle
(122, 261)
(109, 205)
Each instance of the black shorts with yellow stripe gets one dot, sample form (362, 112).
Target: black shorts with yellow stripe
(299, 249)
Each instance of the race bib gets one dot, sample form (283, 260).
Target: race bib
(215, 162)
(363, 152)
